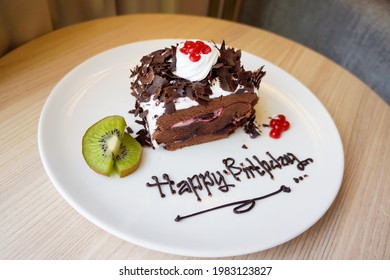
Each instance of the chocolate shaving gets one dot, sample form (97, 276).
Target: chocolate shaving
(144, 114)
(251, 127)
(158, 59)
(138, 111)
(143, 137)
(141, 122)
(129, 130)
(146, 75)
(169, 108)
(226, 81)
(156, 86)
(201, 91)
(146, 59)
(173, 63)
(258, 75)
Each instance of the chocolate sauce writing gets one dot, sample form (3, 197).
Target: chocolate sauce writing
(192, 184)
(264, 166)
(209, 181)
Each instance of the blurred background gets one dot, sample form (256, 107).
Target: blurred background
(353, 33)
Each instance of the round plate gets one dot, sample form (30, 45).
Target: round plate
(308, 159)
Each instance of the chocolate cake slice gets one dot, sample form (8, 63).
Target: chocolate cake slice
(192, 93)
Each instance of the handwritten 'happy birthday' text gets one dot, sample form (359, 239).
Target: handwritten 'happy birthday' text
(250, 168)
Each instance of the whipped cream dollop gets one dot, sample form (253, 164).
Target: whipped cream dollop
(194, 64)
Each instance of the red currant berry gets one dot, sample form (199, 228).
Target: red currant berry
(184, 50)
(206, 49)
(189, 44)
(276, 124)
(274, 133)
(194, 57)
(282, 117)
(285, 125)
(272, 123)
(194, 49)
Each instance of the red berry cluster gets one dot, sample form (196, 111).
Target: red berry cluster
(278, 125)
(194, 49)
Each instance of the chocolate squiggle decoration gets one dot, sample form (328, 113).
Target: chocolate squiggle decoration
(242, 204)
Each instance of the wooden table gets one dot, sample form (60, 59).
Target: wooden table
(37, 223)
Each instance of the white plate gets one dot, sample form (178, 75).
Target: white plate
(130, 210)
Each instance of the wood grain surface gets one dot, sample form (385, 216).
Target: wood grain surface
(37, 223)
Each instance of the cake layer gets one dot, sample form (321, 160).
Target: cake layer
(195, 141)
(167, 120)
(217, 119)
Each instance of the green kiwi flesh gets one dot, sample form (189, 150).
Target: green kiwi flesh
(101, 143)
(129, 156)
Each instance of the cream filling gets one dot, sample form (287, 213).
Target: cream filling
(214, 115)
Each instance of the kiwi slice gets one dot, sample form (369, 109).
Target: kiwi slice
(101, 143)
(129, 156)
